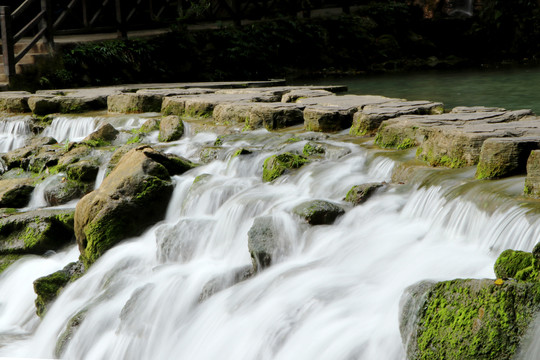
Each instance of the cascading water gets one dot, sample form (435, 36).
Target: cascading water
(332, 292)
(71, 128)
(13, 132)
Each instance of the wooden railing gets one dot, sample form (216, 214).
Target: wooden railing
(39, 20)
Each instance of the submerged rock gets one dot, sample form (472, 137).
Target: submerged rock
(277, 165)
(467, 319)
(318, 212)
(263, 242)
(131, 198)
(225, 281)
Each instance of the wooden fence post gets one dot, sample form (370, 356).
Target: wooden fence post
(47, 24)
(120, 23)
(7, 42)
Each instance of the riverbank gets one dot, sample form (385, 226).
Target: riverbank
(140, 157)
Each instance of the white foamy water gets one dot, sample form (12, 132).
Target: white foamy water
(332, 292)
(14, 132)
(71, 128)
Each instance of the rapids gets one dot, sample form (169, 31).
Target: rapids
(333, 292)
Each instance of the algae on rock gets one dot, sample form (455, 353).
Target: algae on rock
(277, 165)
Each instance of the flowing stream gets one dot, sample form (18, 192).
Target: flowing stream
(332, 292)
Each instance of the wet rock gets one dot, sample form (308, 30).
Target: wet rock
(47, 288)
(171, 128)
(312, 148)
(318, 212)
(150, 125)
(327, 119)
(277, 165)
(274, 116)
(503, 157)
(532, 180)
(102, 136)
(263, 242)
(35, 232)
(368, 120)
(61, 190)
(15, 193)
(84, 170)
(453, 139)
(518, 265)
(71, 327)
(209, 154)
(69, 101)
(234, 113)
(467, 319)
(361, 193)
(353, 102)
(14, 101)
(7, 260)
(134, 103)
(20, 158)
(173, 105)
(131, 198)
(74, 155)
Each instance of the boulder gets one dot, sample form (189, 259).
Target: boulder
(274, 116)
(150, 125)
(503, 157)
(360, 193)
(35, 232)
(318, 212)
(277, 165)
(532, 180)
(72, 101)
(20, 158)
(173, 105)
(467, 319)
(84, 170)
(132, 197)
(312, 148)
(328, 119)
(513, 264)
(134, 103)
(75, 154)
(102, 136)
(171, 128)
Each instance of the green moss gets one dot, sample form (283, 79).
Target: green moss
(513, 264)
(101, 235)
(134, 139)
(312, 148)
(475, 319)
(493, 171)
(47, 289)
(7, 260)
(276, 165)
(357, 130)
(292, 140)
(406, 143)
(241, 151)
(97, 143)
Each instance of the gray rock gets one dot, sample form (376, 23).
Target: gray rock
(532, 181)
(233, 113)
(134, 103)
(275, 115)
(36, 232)
(15, 193)
(171, 128)
(503, 157)
(102, 136)
(318, 212)
(14, 101)
(361, 193)
(296, 94)
(327, 119)
(263, 242)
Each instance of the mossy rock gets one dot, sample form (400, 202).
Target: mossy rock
(468, 319)
(85, 171)
(171, 128)
(35, 232)
(360, 193)
(263, 242)
(318, 212)
(48, 287)
(277, 165)
(7, 260)
(513, 264)
(62, 190)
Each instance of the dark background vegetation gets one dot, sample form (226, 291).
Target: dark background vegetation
(377, 37)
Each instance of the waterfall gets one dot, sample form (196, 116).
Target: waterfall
(13, 133)
(71, 128)
(463, 7)
(332, 293)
